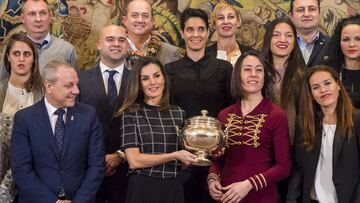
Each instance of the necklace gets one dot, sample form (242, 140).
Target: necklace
(329, 129)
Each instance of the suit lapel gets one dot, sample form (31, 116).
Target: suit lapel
(45, 125)
(97, 82)
(317, 47)
(95, 76)
(71, 118)
(337, 145)
(124, 81)
(315, 154)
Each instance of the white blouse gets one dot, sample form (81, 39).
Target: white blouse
(16, 99)
(324, 185)
(223, 55)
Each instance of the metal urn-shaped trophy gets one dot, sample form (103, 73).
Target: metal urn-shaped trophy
(202, 135)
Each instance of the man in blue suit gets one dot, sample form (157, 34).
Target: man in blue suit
(57, 150)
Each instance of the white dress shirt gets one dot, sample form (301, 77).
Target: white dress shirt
(52, 116)
(117, 76)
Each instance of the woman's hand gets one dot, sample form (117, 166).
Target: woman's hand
(218, 153)
(215, 189)
(236, 192)
(185, 157)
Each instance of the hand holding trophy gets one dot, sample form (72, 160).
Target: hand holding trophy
(202, 135)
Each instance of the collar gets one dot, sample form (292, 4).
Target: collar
(301, 39)
(104, 68)
(133, 47)
(50, 108)
(203, 61)
(262, 108)
(44, 43)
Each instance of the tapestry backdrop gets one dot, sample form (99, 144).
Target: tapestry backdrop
(79, 21)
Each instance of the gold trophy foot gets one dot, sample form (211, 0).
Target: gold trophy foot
(202, 162)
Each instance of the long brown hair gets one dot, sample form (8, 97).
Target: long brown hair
(311, 115)
(134, 96)
(294, 72)
(34, 83)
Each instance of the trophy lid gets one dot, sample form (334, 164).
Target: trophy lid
(203, 120)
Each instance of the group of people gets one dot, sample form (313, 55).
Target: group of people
(110, 134)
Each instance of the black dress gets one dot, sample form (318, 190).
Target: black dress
(351, 81)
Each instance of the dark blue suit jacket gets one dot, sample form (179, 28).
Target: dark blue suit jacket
(36, 166)
(92, 92)
(319, 53)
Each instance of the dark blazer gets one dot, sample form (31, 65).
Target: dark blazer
(36, 166)
(92, 92)
(319, 52)
(346, 166)
(212, 49)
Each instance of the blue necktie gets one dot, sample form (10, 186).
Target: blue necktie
(112, 92)
(59, 129)
(42, 44)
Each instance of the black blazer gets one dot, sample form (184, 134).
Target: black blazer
(92, 92)
(319, 52)
(346, 166)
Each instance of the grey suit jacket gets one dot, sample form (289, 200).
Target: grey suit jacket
(168, 53)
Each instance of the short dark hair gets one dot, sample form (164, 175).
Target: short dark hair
(292, 5)
(134, 96)
(193, 13)
(267, 91)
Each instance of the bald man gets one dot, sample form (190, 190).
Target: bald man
(103, 87)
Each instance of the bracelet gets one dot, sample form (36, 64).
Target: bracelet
(213, 176)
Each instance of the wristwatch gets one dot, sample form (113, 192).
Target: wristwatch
(121, 155)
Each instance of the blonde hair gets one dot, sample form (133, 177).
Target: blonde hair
(222, 6)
